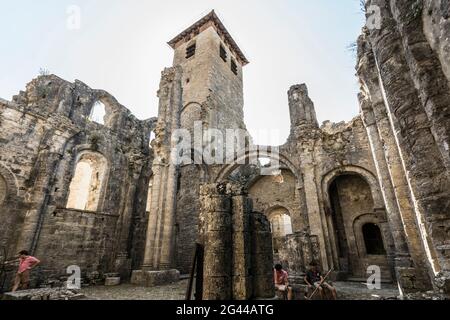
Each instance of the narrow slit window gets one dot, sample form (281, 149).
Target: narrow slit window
(223, 53)
(234, 67)
(190, 51)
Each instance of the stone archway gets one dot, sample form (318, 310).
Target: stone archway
(352, 199)
(259, 152)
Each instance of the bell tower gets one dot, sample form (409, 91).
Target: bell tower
(212, 66)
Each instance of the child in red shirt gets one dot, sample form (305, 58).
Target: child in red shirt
(26, 263)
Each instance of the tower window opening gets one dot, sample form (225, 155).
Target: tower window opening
(190, 51)
(234, 67)
(223, 53)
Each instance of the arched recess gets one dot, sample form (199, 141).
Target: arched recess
(371, 220)
(373, 239)
(10, 185)
(353, 199)
(354, 170)
(190, 113)
(88, 182)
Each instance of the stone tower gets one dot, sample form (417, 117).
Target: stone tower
(212, 75)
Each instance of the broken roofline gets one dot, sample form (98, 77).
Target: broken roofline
(223, 32)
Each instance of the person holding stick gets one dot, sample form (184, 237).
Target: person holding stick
(316, 281)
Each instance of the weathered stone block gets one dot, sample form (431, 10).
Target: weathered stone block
(154, 278)
(112, 281)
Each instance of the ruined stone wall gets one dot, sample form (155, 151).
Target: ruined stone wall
(270, 192)
(324, 154)
(408, 53)
(44, 132)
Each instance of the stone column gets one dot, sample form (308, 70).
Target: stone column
(388, 160)
(427, 172)
(316, 220)
(242, 209)
(218, 256)
(304, 134)
(122, 260)
(426, 72)
(160, 241)
(262, 257)
(393, 214)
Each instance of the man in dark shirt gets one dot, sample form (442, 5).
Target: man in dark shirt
(315, 280)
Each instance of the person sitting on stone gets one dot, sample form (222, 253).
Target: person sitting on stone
(26, 263)
(315, 280)
(281, 279)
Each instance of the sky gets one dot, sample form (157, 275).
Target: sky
(121, 47)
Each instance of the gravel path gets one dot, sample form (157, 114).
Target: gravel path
(346, 291)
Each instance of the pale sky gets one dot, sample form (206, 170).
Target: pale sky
(121, 48)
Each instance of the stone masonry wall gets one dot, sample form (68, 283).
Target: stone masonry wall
(44, 131)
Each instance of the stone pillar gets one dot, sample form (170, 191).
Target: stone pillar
(122, 260)
(416, 135)
(305, 133)
(160, 236)
(242, 279)
(388, 162)
(160, 241)
(238, 255)
(262, 257)
(317, 221)
(426, 72)
(218, 253)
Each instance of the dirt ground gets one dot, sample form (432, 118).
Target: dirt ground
(177, 291)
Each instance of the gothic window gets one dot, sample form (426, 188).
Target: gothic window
(87, 182)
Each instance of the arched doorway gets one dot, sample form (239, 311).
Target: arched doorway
(356, 237)
(373, 239)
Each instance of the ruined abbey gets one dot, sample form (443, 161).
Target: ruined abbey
(104, 193)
